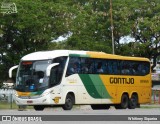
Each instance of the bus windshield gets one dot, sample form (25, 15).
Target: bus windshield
(31, 76)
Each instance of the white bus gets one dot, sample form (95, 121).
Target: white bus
(65, 78)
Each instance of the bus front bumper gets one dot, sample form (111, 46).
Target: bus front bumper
(44, 100)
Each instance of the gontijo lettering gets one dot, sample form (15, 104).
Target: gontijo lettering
(115, 80)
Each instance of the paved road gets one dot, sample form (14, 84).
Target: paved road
(84, 115)
(84, 111)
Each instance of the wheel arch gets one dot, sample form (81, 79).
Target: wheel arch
(126, 93)
(120, 96)
(124, 101)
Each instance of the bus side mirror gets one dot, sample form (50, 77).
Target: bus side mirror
(11, 69)
(48, 70)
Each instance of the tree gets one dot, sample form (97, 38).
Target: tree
(90, 26)
(141, 20)
(30, 29)
(147, 29)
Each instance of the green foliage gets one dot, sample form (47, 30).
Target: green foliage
(39, 22)
(141, 19)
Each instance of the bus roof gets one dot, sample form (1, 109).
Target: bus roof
(45, 55)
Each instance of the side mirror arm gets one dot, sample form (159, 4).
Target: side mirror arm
(11, 69)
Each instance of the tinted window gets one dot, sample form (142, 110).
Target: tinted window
(107, 66)
(73, 66)
(57, 71)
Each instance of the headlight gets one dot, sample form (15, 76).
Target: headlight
(15, 93)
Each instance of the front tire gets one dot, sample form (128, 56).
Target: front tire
(39, 107)
(68, 102)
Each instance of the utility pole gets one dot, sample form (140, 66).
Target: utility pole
(112, 27)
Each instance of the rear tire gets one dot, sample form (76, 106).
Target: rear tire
(124, 102)
(68, 102)
(133, 102)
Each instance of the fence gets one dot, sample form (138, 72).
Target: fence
(156, 94)
(6, 98)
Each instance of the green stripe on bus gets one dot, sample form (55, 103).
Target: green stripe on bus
(89, 85)
(94, 86)
(78, 55)
(97, 84)
(102, 90)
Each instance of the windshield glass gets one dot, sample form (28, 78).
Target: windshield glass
(31, 76)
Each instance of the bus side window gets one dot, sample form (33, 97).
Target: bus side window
(84, 69)
(110, 67)
(143, 68)
(99, 68)
(125, 68)
(91, 66)
(106, 68)
(115, 67)
(147, 67)
(139, 68)
(131, 69)
(84, 66)
(73, 66)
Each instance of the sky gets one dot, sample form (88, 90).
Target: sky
(63, 37)
(126, 39)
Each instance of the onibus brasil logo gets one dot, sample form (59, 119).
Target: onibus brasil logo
(8, 8)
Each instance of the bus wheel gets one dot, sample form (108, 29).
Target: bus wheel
(97, 107)
(68, 102)
(124, 102)
(133, 102)
(39, 107)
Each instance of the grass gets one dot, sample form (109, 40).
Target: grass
(6, 105)
(151, 106)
